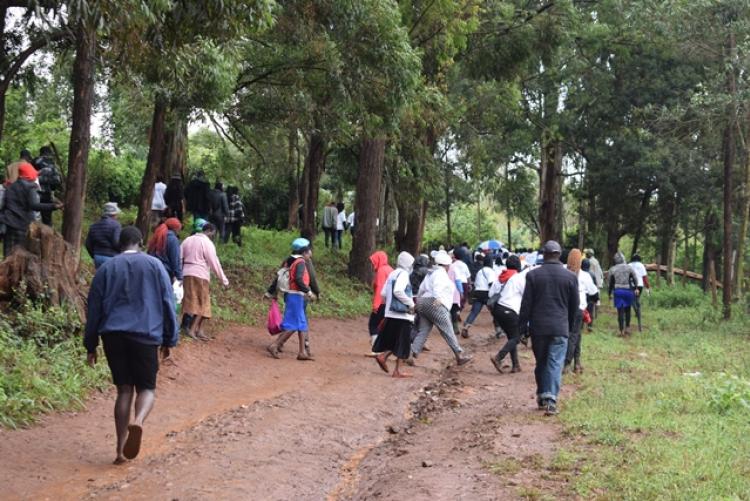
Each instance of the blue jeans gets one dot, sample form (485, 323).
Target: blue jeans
(549, 352)
(476, 308)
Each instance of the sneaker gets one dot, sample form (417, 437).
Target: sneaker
(541, 404)
(465, 332)
(463, 360)
(550, 409)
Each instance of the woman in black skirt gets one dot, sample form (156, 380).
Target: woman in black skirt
(395, 338)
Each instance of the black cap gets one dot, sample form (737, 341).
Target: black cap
(551, 247)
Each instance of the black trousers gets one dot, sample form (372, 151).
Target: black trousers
(46, 197)
(507, 319)
(330, 234)
(574, 340)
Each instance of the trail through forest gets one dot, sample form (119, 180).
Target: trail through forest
(232, 423)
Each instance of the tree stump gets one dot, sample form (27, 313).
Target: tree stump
(45, 270)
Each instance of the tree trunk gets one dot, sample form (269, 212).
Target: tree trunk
(80, 134)
(3, 91)
(371, 158)
(550, 191)
(613, 243)
(448, 200)
(415, 217)
(510, 234)
(176, 149)
(728, 154)
(153, 165)
(292, 182)
(739, 270)
(314, 166)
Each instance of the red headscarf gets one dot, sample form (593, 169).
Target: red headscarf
(27, 171)
(158, 243)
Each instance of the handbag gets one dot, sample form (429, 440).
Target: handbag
(396, 305)
(586, 317)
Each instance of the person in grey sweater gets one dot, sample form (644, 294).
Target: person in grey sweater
(622, 284)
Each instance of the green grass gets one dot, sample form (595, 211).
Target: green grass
(664, 414)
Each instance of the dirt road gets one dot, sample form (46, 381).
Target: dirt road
(232, 423)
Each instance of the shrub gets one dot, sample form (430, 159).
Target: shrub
(114, 178)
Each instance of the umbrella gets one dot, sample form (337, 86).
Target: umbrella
(491, 245)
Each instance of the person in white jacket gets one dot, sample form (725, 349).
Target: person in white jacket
(434, 303)
(586, 286)
(395, 337)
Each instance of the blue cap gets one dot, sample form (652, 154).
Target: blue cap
(300, 243)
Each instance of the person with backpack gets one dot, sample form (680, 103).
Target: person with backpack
(395, 337)
(293, 279)
(507, 293)
(50, 180)
(199, 259)
(20, 202)
(314, 287)
(235, 217)
(483, 280)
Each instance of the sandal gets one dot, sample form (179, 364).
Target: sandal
(382, 363)
(133, 443)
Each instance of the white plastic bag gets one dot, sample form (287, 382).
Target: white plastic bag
(179, 291)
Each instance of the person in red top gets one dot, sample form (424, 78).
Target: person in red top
(295, 301)
(382, 269)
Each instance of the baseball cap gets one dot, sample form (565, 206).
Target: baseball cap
(551, 247)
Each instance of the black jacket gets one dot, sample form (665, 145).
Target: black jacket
(550, 300)
(196, 196)
(21, 200)
(218, 206)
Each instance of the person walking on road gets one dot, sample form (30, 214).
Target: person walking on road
(642, 281)
(395, 338)
(550, 306)
(295, 301)
(131, 307)
(623, 284)
(165, 246)
(382, 270)
(506, 310)
(434, 303)
(586, 288)
(595, 268)
(199, 259)
(103, 238)
(484, 279)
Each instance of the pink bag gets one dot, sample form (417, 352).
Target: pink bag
(274, 318)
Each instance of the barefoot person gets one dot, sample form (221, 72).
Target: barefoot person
(131, 306)
(395, 338)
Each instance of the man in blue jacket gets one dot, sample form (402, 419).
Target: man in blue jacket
(131, 307)
(549, 306)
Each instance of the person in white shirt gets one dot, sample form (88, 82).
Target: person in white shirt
(340, 226)
(434, 302)
(505, 312)
(480, 293)
(350, 223)
(395, 338)
(642, 281)
(586, 287)
(158, 205)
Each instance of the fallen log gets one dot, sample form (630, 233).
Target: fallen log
(45, 269)
(678, 271)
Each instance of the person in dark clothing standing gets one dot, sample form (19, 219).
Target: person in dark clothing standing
(131, 307)
(165, 246)
(173, 197)
(102, 241)
(196, 196)
(21, 200)
(549, 306)
(50, 180)
(218, 209)
(235, 217)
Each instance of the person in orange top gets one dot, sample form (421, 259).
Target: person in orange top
(382, 269)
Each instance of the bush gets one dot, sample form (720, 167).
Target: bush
(114, 178)
(678, 296)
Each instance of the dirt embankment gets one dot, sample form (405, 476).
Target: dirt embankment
(232, 423)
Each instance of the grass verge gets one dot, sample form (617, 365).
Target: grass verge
(664, 414)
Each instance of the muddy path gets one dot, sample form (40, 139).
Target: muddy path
(232, 423)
